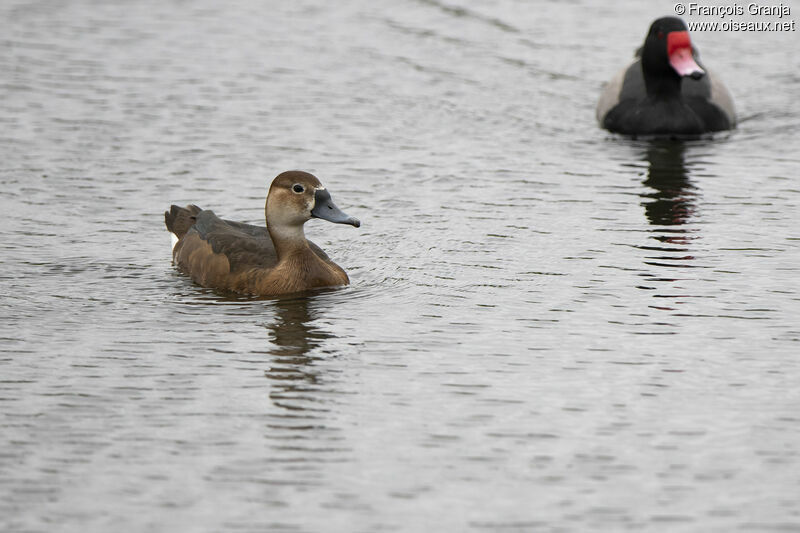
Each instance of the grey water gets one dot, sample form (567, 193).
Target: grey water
(549, 328)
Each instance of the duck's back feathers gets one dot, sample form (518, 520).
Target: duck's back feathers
(243, 245)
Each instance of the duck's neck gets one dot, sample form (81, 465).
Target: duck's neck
(289, 241)
(663, 84)
(660, 79)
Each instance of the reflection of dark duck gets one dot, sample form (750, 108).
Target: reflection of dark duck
(264, 261)
(665, 90)
(672, 202)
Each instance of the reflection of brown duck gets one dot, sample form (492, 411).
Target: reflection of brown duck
(256, 260)
(292, 332)
(293, 336)
(672, 203)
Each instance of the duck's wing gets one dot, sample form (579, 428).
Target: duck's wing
(722, 98)
(242, 246)
(249, 229)
(710, 88)
(261, 232)
(627, 83)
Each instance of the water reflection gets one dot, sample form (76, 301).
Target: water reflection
(671, 204)
(669, 207)
(673, 200)
(292, 332)
(293, 341)
(302, 438)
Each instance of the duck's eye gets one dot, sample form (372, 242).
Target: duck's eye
(660, 35)
(298, 188)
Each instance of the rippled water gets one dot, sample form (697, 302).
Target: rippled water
(548, 328)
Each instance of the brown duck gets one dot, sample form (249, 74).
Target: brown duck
(263, 261)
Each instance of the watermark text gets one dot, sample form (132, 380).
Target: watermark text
(757, 17)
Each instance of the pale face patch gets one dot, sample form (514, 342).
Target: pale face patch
(313, 203)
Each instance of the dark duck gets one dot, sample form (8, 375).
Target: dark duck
(666, 91)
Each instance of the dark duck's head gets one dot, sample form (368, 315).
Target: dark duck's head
(668, 56)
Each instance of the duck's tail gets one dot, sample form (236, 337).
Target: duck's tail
(180, 219)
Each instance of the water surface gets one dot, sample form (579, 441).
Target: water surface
(548, 328)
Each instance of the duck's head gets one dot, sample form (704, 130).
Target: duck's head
(668, 49)
(296, 197)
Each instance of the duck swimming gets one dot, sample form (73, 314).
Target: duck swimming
(255, 260)
(666, 91)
